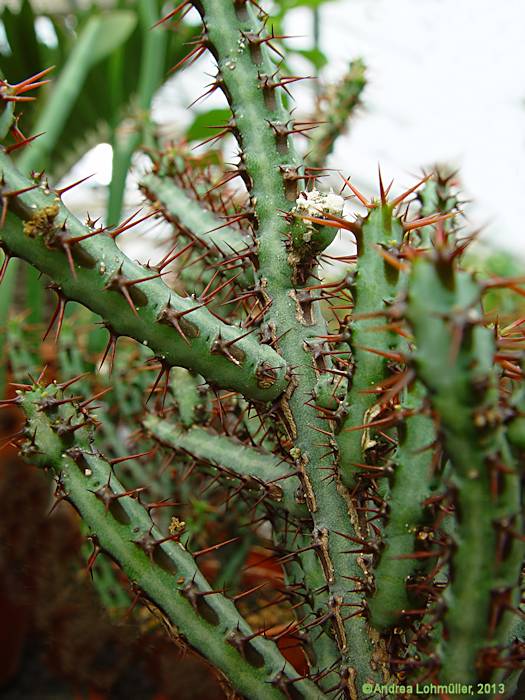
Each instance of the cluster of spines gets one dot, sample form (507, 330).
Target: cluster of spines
(254, 469)
(408, 535)
(405, 567)
(205, 448)
(205, 216)
(374, 287)
(414, 541)
(454, 358)
(245, 76)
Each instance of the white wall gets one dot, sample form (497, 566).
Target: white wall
(447, 84)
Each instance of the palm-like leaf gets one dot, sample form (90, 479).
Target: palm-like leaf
(110, 84)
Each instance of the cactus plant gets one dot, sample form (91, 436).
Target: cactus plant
(369, 429)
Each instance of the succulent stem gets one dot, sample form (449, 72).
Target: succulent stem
(162, 569)
(257, 470)
(248, 77)
(342, 100)
(455, 360)
(87, 266)
(374, 289)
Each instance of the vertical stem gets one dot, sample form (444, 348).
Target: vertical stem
(244, 70)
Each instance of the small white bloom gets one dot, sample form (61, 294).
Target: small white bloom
(315, 203)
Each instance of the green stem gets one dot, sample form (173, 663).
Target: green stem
(195, 222)
(166, 573)
(410, 486)
(375, 286)
(342, 101)
(245, 72)
(258, 470)
(455, 360)
(516, 429)
(201, 342)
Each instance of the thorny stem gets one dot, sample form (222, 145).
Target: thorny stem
(244, 65)
(164, 571)
(181, 331)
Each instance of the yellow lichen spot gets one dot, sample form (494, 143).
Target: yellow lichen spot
(42, 222)
(176, 526)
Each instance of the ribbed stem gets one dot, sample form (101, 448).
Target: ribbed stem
(375, 285)
(455, 360)
(271, 168)
(341, 102)
(403, 534)
(194, 220)
(258, 470)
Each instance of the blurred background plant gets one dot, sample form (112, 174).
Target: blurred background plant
(77, 633)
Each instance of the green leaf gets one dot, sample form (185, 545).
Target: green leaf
(112, 30)
(316, 57)
(200, 128)
(99, 37)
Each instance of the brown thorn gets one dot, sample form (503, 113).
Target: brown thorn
(21, 144)
(119, 460)
(111, 348)
(170, 14)
(429, 220)
(16, 193)
(62, 190)
(193, 56)
(394, 356)
(127, 297)
(95, 397)
(3, 269)
(27, 81)
(129, 223)
(58, 313)
(214, 547)
(163, 371)
(69, 382)
(391, 259)
(394, 203)
(360, 197)
(382, 193)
